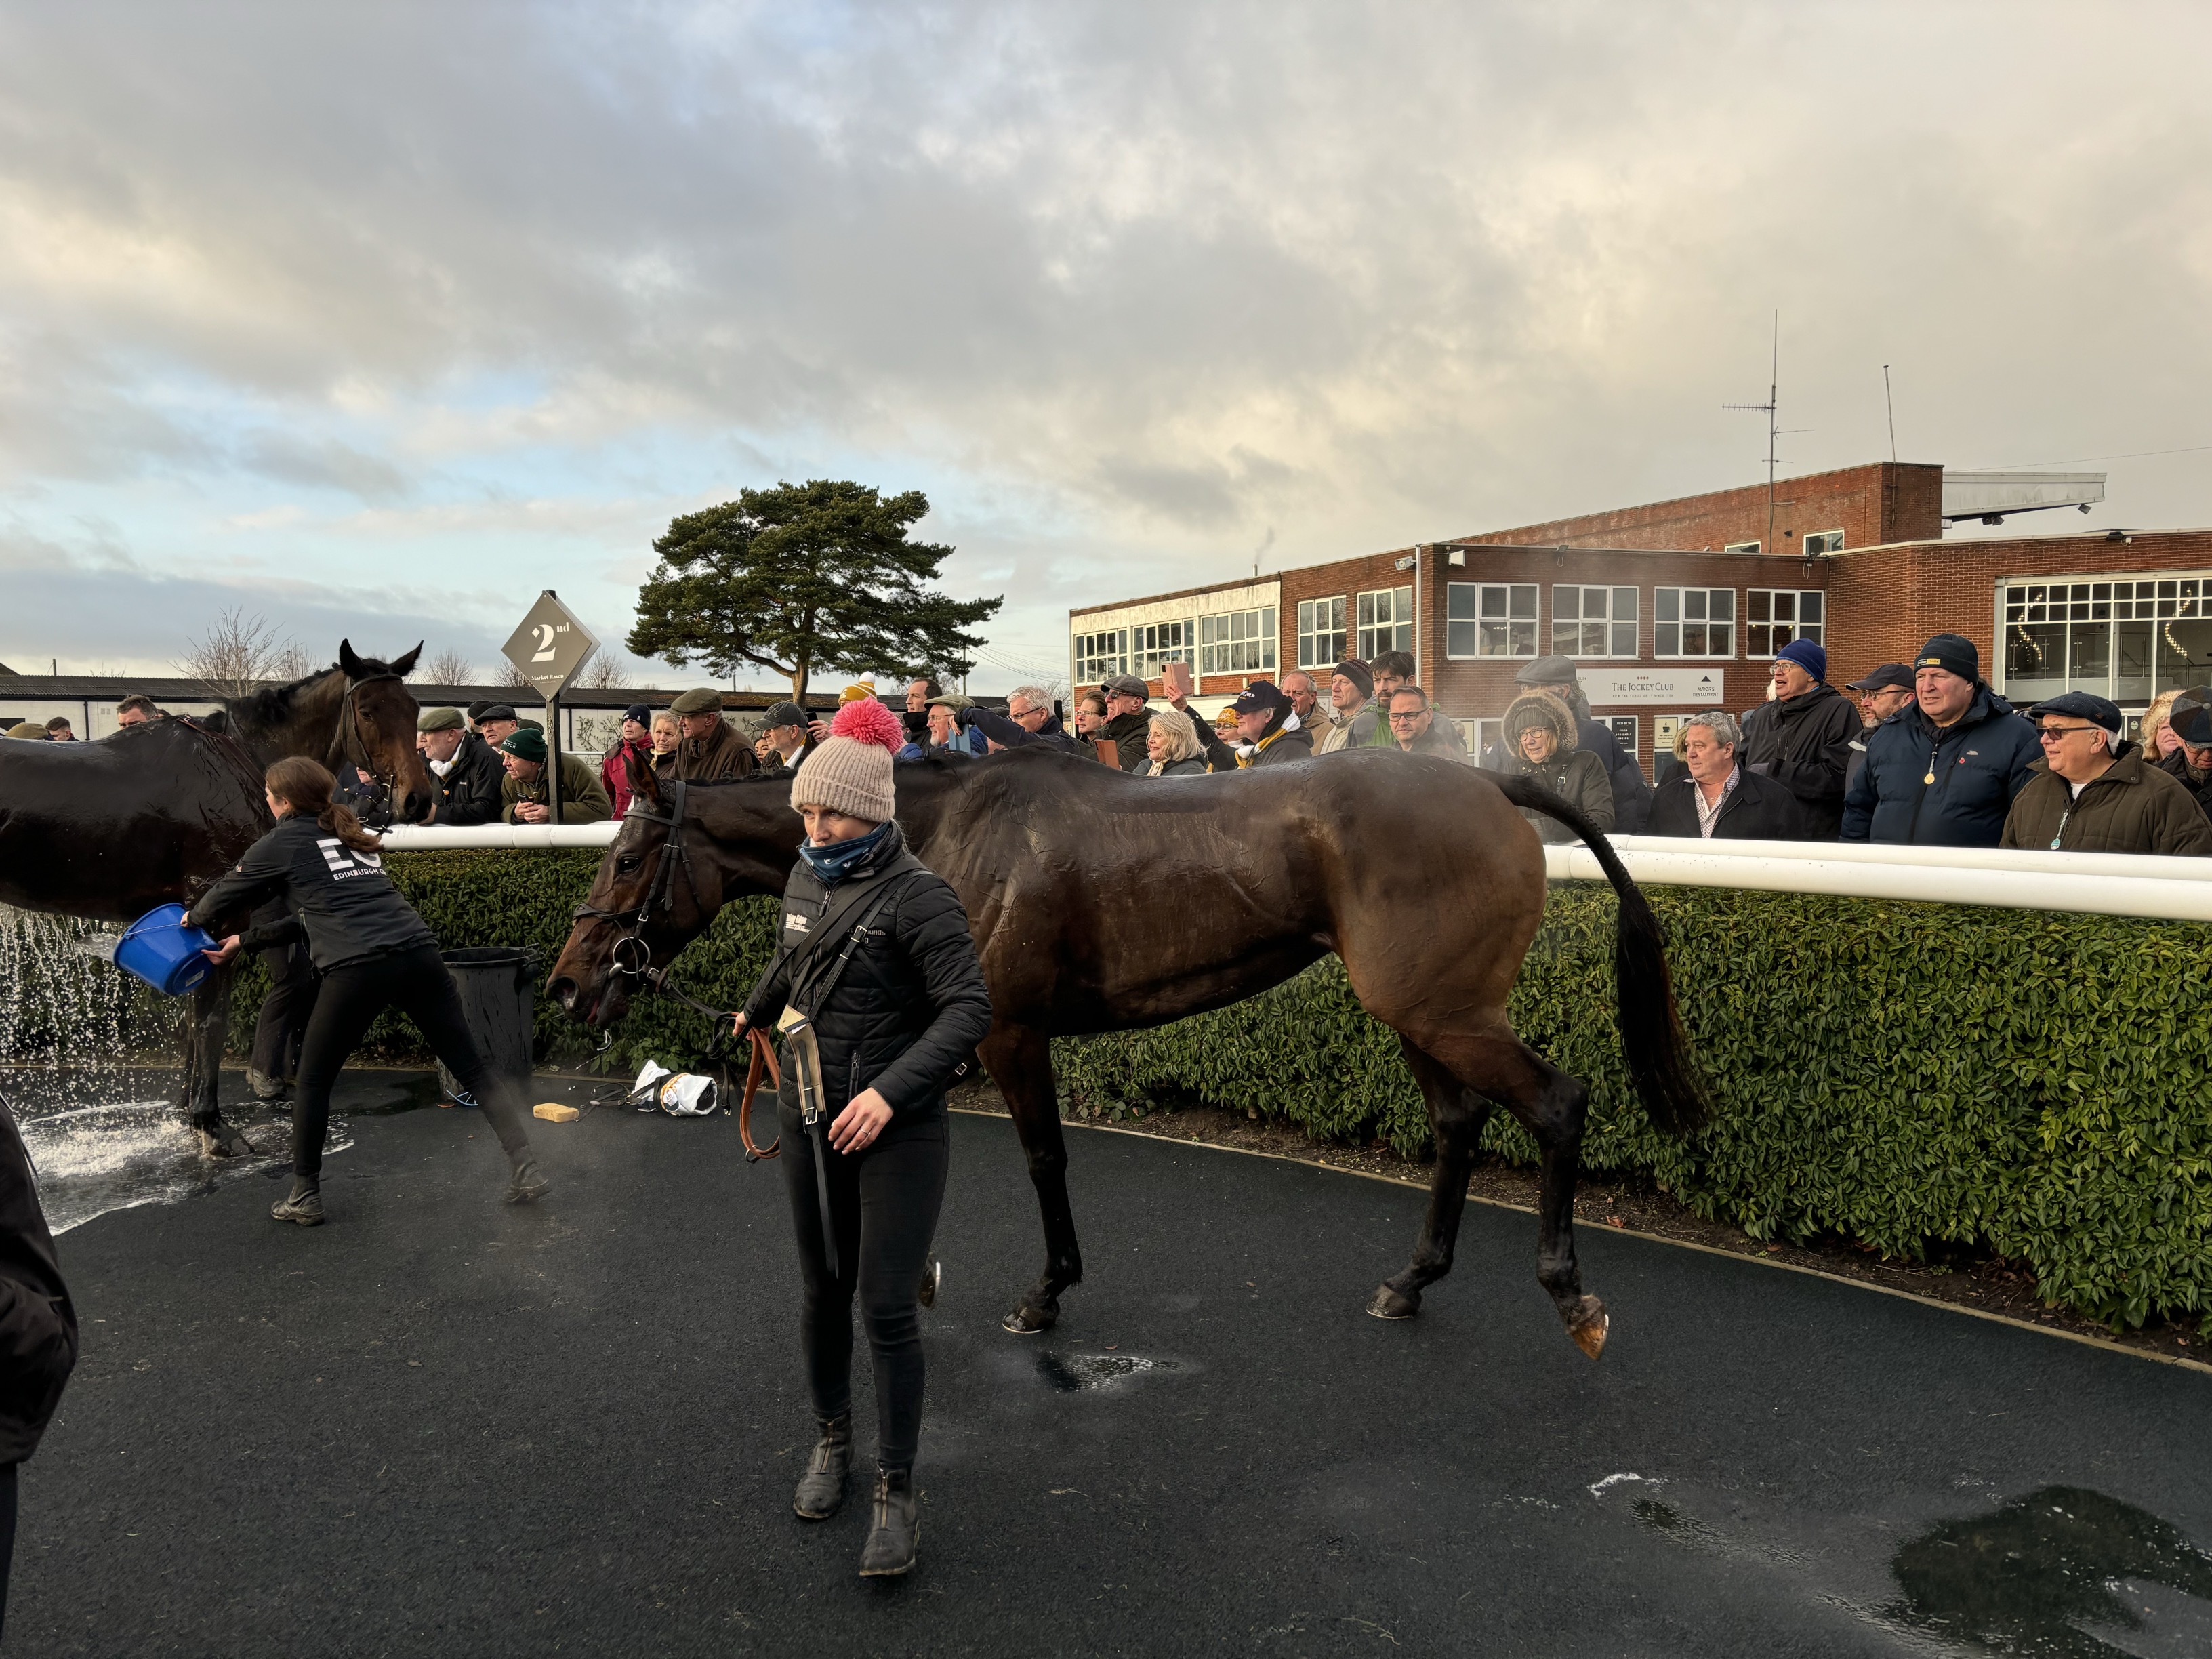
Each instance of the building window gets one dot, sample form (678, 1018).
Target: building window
(1775, 615)
(1321, 632)
(1741, 547)
(1693, 622)
(1823, 541)
(1488, 735)
(1386, 622)
(1490, 619)
(2128, 640)
(1099, 657)
(1158, 642)
(1238, 642)
(1592, 622)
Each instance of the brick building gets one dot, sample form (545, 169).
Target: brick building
(1681, 606)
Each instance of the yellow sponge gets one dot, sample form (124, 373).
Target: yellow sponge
(554, 1112)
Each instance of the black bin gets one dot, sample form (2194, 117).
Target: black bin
(499, 997)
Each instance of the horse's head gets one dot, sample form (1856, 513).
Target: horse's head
(377, 729)
(682, 852)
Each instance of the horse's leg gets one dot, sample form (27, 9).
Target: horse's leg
(1552, 1107)
(206, 1023)
(1457, 1113)
(1019, 1061)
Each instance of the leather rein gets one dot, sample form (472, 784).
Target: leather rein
(632, 958)
(347, 744)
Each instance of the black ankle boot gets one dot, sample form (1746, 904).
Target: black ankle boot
(822, 1489)
(889, 1549)
(305, 1206)
(529, 1184)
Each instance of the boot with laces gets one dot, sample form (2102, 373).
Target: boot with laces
(822, 1489)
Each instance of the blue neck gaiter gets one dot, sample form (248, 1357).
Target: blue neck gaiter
(832, 864)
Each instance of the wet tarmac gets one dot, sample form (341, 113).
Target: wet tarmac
(441, 1425)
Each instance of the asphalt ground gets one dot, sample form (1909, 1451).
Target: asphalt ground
(440, 1425)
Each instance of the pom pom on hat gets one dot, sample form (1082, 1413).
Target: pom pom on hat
(871, 722)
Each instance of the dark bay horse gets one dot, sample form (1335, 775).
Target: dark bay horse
(1101, 902)
(153, 813)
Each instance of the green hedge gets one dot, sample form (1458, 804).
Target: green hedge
(1905, 1075)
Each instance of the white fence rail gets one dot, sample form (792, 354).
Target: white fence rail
(2096, 883)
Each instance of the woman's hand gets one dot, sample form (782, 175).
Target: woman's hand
(737, 1027)
(860, 1123)
(224, 952)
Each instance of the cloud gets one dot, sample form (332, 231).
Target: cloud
(1122, 288)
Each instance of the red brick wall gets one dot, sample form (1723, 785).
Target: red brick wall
(1888, 501)
(1884, 604)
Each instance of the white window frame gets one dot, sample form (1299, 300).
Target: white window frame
(1661, 623)
(2107, 600)
(1152, 644)
(1238, 642)
(1618, 632)
(1816, 632)
(1831, 540)
(1471, 607)
(1320, 620)
(1741, 547)
(1369, 633)
(1106, 649)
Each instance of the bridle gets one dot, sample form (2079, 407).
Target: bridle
(347, 744)
(631, 957)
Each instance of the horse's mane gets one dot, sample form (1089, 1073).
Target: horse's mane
(272, 704)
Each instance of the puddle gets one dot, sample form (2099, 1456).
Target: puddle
(2039, 1574)
(94, 1159)
(1076, 1373)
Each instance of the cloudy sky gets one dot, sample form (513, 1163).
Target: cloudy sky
(376, 319)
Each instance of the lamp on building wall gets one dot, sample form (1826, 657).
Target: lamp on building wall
(1407, 563)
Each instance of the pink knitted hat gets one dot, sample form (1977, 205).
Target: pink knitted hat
(851, 771)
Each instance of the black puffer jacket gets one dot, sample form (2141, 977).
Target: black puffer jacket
(1804, 744)
(468, 792)
(2176, 766)
(38, 1326)
(1126, 733)
(911, 1006)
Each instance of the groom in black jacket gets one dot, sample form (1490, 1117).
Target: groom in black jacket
(1802, 740)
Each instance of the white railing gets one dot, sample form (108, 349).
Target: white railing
(2096, 883)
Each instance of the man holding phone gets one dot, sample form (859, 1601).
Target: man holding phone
(1126, 720)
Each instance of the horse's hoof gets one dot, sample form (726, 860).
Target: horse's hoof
(1029, 1320)
(1388, 1303)
(1588, 1324)
(225, 1142)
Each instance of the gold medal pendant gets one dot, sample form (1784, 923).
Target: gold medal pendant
(1930, 778)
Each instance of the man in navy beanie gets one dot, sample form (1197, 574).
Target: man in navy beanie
(1944, 772)
(1802, 738)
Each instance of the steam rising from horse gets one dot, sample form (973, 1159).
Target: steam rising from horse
(1101, 902)
(156, 813)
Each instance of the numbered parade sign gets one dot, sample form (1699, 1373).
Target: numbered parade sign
(550, 645)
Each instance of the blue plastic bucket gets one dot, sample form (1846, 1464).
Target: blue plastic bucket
(163, 950)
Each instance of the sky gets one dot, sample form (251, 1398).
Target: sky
(375, 320)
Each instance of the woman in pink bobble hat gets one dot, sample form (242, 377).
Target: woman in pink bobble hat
(879, 995)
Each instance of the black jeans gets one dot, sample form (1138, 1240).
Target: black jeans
(7, 1533)
(416, 982)
(884, 1204)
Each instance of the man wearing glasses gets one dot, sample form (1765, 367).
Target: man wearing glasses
(2093, 793)
(1029, 721)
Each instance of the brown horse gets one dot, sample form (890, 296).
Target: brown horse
(153, 813)
(1104, 902)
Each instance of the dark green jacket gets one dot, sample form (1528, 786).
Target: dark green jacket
(2131, 808)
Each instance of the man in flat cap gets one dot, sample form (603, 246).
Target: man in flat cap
(2095, 792)
(1632, 792)
(786, 736)
(709, 751)
(2191, 765)
(1883, 695)
(523, 796)
(468, 773)
(494, 722)
(1945, 772)
(1127, 722)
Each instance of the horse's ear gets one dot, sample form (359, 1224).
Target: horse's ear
(644, 781)
(405, 665)
(347, 661)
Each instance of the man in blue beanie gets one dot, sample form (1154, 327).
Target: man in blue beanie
(1802, 738)
(1944, 772)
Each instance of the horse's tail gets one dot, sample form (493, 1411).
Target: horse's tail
(1651, 1040)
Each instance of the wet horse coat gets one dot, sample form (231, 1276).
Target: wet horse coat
(152, 814)
(1101, 901)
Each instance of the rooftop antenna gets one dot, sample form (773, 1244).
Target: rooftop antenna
(1770, 408)
(1889, 404)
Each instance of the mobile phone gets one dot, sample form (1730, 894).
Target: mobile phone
(1176, 677)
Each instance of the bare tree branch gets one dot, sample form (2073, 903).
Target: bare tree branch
(240, 652)
(604, 672)
(447, 667)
